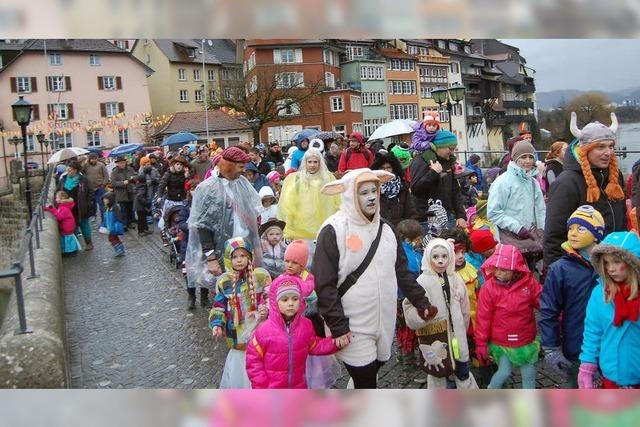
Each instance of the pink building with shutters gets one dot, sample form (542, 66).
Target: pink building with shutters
(86, 93)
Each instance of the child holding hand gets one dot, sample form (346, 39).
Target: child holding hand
(69, 244)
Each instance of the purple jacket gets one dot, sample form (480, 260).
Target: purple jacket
(421, 138)
(277, 354)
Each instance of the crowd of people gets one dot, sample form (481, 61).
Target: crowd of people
(338, 250)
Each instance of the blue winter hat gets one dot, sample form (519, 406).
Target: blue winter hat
(445, 139)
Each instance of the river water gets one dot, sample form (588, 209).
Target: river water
(629, 137)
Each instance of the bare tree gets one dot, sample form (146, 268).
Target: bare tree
(273, 94)
(589, 107)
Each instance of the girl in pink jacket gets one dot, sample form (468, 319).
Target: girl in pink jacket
(63, 212)
(278, 350)
(505, 318)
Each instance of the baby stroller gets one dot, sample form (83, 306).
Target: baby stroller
(176, 231)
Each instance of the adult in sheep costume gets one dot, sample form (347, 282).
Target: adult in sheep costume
(363, 319)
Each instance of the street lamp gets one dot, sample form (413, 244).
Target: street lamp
(42, 141)
(455, 93)
(22, 114)
(255, 125)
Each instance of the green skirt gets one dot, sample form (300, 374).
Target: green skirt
(518, 356)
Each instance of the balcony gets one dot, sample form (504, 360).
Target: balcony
(526, 89)
(474, 119)
(430, 79)
(433, 59)
(518, 104)
(518, 118)
(471, 78)
(497, 121)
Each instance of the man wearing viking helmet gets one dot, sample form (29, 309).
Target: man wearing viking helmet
(591, 176)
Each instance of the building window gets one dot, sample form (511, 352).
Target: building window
(94, 59)
(123, 136)
(425, 91)
(55, 59)
(370, 125)
(356, 127)
(453, 46)
(404, 111)
(287, 56)
(289, 80)
(287, 108)
(60, 111)
(341, 129)
(356, 104)
(212, 95)
(251, 62)
(330, 57)
(211, 75)
(329, 80)
(196, 75)
(56, 83)
(64, 141)
(181, 74)
(122, 44)
(109, 82)
(111, 109)
(402, 87)
(253, 84)
(467, 49)
(225, 74)
(455, 68)
(372, 98)
(228, 93)
(337, 104)
(184, 95)
(408, 65)
(412, 50)
(23, 84)
(198, 95)
(355, 52)
(93, 139)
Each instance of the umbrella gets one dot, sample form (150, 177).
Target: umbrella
(393, 128)
(305, 134)
(180, 138)
(123, 149)
(66, 154)
(326, 135)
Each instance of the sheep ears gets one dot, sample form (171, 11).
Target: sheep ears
(573, 126)
(333, 188)
(383, 176)
(614, 123)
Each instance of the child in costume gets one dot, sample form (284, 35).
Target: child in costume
(567, 289)
(277, 352)
(612, 328)
(69, 244)
(273, 246)
(411, 233)
(443, 339)
(236, 309)
(425, 132)
(269, 204)
(505, 322)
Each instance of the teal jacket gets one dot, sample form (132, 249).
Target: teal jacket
(613, 349)
(512, 198)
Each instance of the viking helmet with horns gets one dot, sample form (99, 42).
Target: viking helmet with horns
(594, 131)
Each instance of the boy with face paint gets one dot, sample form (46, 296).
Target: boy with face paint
(567, 289)
(442, 340)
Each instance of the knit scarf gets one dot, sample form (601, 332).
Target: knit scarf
(71, 182)
(391, 189)
(625, 309)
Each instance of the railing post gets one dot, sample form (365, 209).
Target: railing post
(37, 233)
(32, 261)
(23, 329)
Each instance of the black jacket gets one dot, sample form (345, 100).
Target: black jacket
(427, 184)
(174, 183)
(569, 192)
(275, 158)
(331, 161)
(141, 200)
(399, 208)
(84, 197)
(554, 166)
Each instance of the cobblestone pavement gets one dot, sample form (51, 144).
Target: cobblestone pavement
(128, 326)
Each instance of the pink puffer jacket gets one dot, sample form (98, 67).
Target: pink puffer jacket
(64, 215)
(277, 356)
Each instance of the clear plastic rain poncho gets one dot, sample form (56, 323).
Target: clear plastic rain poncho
(226, 209)
(301, 205)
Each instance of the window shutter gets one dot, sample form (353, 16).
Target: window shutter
(36, 112)
(14, 86)
(100, 83)
(103, 110)
(67, 83)
(69, 111)
(34, 84)
(49, 110)
(48, 82)
(118, 82)
(298, 55)
(120, 107)
(126, 44)
(276, 56)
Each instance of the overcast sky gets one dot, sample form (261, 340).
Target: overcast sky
(600, 64)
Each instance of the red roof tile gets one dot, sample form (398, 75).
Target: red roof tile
(219, 121)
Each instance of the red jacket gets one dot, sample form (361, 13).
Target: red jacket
(277, 354)
(357, 159)
(64, 215)
(505, 315)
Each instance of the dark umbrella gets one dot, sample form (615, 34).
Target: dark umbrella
(180, 138)
(121, 150)
(327, 135)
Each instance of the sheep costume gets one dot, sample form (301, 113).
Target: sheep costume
(460, 312)
(368, 309)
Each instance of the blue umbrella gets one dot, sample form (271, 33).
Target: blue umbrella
(123, 149)
(180, 138)
(305, 134)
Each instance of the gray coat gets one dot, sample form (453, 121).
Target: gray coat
(124, 193)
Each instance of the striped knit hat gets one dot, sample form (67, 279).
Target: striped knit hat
(288, 287)
(589, 218)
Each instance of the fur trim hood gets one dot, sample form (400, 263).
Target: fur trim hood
(623, 244)
(426, 259)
